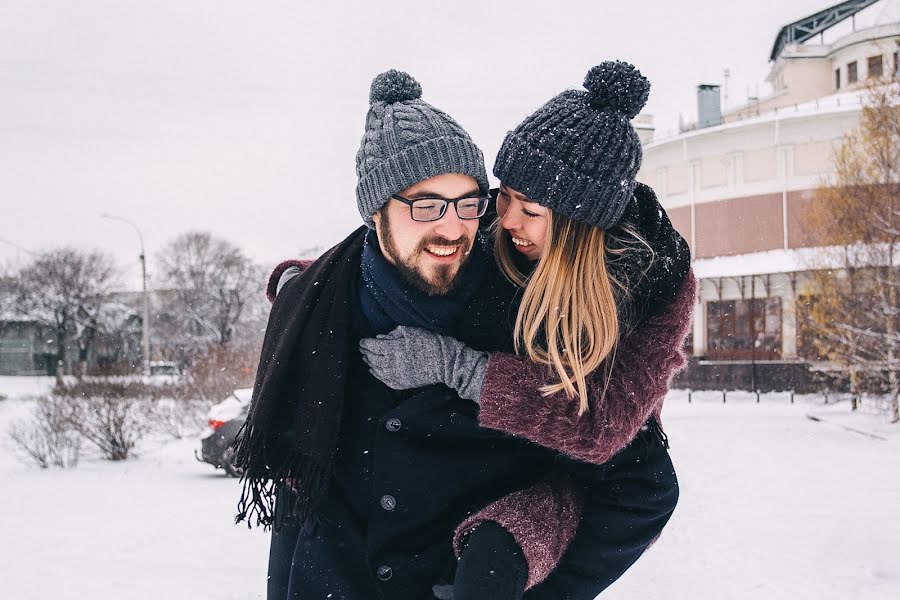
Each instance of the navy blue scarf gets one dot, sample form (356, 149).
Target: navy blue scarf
(388, 300)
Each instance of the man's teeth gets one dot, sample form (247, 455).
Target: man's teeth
(442, 250)
(519, 242)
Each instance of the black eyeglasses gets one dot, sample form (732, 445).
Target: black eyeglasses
(432, 209)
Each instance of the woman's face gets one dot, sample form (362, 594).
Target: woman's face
(525, 220)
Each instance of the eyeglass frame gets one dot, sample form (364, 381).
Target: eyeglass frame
(447, 202)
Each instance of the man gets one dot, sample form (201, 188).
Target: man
(385, 480)
(365, 485)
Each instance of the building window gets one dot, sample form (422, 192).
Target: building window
(851, 72)
(744, 329)
(875, 66)
(837, 79)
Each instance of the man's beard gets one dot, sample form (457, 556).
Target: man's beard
(446, 277)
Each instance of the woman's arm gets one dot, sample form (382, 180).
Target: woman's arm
(581, 531)
(644, 364)
(508, 386)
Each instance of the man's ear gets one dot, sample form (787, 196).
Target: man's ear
(376, 218)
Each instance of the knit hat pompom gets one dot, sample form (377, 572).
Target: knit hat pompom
(394, 86)
(618, 86)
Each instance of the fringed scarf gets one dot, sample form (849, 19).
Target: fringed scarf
(288, 443)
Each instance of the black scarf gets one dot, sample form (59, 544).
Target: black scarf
(388, 300)
(288, 443)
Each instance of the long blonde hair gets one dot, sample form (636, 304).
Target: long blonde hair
(569, 316)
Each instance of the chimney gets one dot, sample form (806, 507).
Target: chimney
(709, 106)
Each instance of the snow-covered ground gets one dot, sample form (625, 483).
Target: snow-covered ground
(24, 387)
(773, 505)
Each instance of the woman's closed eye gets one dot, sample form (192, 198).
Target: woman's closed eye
(502, 202)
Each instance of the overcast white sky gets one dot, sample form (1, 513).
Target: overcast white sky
(243, 118)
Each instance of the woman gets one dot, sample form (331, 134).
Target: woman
(605, 305)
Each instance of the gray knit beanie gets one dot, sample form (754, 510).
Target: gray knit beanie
(408, 140)
(578, 154)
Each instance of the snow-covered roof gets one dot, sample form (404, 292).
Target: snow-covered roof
(835, 103)
(775, 261)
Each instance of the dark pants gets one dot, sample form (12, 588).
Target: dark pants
(281, 556)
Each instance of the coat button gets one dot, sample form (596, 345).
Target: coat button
(384, 572)
(388, 502)
(392, 425)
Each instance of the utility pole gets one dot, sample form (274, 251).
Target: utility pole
(145, 326)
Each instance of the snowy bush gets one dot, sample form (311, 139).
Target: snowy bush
(112, 416)
(178, 417)
(219, 370)
(47, 438)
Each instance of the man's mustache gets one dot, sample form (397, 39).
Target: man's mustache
(463, 240)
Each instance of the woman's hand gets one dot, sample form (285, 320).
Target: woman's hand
(491, 565)
(410, 357)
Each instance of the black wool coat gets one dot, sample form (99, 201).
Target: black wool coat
(412, 465)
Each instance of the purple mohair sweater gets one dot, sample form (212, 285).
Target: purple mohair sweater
(543, 518)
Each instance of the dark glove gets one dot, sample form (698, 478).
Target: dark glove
(491, 565)
(410, 357)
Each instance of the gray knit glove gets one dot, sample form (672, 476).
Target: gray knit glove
(409, 357)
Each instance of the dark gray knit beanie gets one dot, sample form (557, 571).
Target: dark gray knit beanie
(408, 140)
(578, 154)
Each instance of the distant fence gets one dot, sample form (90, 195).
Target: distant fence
(764, 376)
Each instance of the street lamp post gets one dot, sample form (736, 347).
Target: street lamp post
(145, 326)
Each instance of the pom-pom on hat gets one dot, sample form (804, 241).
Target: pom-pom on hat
(578, 155)
(407, 141)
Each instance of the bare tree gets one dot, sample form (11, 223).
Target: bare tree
(108, 414)
(857, 217)
(7, 295)
(66, 288)
(211, 282)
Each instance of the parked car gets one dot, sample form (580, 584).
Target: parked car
(225, 420)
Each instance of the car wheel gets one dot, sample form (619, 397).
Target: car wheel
(228, 463)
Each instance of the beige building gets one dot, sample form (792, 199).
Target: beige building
(735, 189)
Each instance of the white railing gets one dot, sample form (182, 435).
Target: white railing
(748, 113)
